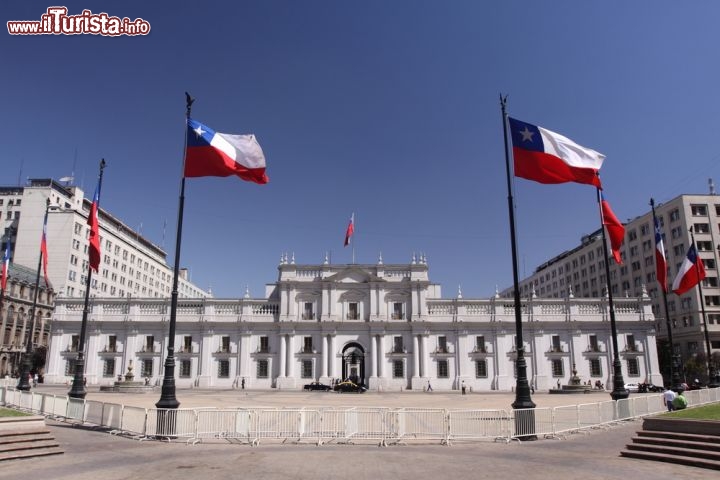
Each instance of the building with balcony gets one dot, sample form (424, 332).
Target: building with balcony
(385, 325)
(580, 272)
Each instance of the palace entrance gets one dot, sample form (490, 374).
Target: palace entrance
(353, 363)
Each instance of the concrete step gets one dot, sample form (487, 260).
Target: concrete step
(677, 459)
(30, 453)
(24, 437)
(691, 437)
(29, 445)
(677, 443)
(675, 451)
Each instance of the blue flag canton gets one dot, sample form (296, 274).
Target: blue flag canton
(526, 136)
(198, 135)
(692, 254)
(658, 234)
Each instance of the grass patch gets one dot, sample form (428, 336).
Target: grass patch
(7, 412)
(707, 412)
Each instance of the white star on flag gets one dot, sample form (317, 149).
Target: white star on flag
(527, 135)
(199, 131)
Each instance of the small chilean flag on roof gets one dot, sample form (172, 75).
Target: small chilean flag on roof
(548, 157)
(213, 154)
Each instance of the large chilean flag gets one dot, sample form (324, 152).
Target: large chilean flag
(547, 157)
(213, 154)
(660, 263)
(691, 272)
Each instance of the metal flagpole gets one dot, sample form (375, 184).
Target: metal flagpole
(24, 383)
(618, 392)
(352, 238)
(711, 370)
(525, 418)
(675, 383)
(78, 387)
(166, 421)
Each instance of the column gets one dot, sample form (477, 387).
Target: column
(424, 357)
(416, 356)
(291, 356)
(381, 351)
(282, 365)
(373, 356)
(324, 349)
(331, 354)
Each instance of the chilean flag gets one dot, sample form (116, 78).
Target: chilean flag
(213, 154)
(614, 227)
(5, 265)
(547, 157)
(350, 230)
(660, 263)
(691, 272)
(44, 252)
(92, 221)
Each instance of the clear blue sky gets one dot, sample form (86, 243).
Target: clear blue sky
(385, 108)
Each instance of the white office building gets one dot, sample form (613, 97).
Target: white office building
(581, 270)
(385, 325)
(131, 265)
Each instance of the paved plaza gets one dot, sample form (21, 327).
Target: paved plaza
(91, 454)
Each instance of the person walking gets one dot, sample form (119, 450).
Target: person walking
(462, 387)
(429, 387)
(668, 397)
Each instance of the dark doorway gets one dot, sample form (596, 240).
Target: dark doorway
(353, 363)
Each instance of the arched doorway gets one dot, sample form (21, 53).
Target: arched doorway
(353, 363)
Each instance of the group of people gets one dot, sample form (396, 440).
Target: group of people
(674, 401)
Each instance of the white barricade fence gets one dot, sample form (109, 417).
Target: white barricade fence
(655, 404)
(93, 412)
(3, 391)
(531, 421)
(47, 404)
(133, 421)
(36, 401)
(277, 423)
(171, 423)
(111, 416)
(76, 409)
(26, 400)
(567, 418)
(591, 415)
(60, 405)
(224, 424)
(478, 424)
(418, 423)
(333, 424)
(623, 409)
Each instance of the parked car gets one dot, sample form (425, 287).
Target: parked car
(632, 387)
(349, 387)
(317, 386)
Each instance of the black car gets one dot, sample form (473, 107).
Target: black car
(349, 387)
(317, 386)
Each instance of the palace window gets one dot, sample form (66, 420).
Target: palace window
(398, 344)
(223, 368)
(398, 369)
(442, 344)
(595, 368)
(308, 313)
(307, 345)
(147, 368)
(353, 312)
(557, 368)
(185, 369)
(633, 367)
(262, 368)
(481, 368)
(442, 369)
(307, 369)
(225, 344)
(109, 367)
(397, 311)
(264, 345)
(480, 344)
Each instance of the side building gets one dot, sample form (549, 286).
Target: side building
(581, 270)
(385, 325)
(130, 265)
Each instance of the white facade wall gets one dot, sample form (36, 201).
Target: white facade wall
(403, 334)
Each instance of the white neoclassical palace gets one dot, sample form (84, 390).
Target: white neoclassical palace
(385, 325)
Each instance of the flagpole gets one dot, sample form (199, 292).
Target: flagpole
(78, 387)
(711, 370)
(352, 239)
(675, 383)
(525, 422)
(619, 392)
(168, 399)
(24, 383)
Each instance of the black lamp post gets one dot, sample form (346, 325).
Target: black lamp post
(24, 383)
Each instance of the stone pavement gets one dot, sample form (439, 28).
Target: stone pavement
(91, 454)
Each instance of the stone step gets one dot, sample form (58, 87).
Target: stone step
(677, 443)
(29, 445)
(677, 459)
(691, 437)
(24, 437)
(675, 451)
(30, 453)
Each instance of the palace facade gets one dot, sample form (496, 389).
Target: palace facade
(386, 325)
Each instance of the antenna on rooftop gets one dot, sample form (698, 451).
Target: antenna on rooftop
(711, 185)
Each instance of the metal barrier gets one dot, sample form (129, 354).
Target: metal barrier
(347, 424)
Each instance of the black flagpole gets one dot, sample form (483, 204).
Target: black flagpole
(24, 383)
(618, 392)
(675, 383)
(78, 387)
(168, 400)
(525, 422)
(711, 370)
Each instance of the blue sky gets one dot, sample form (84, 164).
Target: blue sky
(388, 109)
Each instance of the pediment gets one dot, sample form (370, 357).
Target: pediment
(354, 275)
